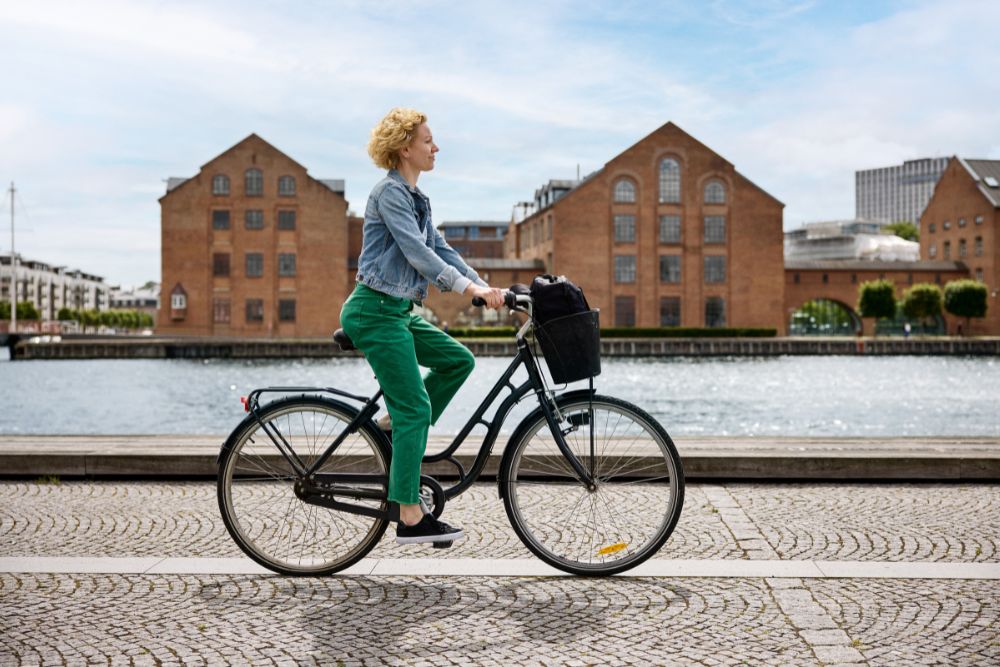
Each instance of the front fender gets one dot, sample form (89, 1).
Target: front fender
(508, 451)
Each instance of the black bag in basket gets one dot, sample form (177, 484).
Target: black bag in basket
(555, 296)
(568, 330)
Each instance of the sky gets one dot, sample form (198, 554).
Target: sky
(101, 101)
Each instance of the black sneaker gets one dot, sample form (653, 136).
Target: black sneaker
(428, 530)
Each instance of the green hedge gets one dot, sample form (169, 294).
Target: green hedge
(631, 332)
(686, 332)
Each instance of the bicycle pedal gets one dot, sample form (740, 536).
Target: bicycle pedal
(443, 545)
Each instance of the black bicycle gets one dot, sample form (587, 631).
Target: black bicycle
(592, 484)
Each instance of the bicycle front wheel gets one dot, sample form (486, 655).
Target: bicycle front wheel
(256, 488)
(628, 514)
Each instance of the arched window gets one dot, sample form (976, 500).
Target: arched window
(670, 181)
(286, 186)
(220, 185)
(715, 193)
(253, 181)
(624, 191)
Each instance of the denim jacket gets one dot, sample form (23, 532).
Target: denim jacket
(401, 251)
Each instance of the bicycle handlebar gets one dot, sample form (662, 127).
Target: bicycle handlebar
(510, 299)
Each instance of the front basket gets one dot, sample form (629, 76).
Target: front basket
(572, 346)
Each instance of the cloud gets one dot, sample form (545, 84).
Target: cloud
(108, 98)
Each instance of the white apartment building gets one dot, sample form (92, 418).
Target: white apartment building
(891, 194)
(847, 239)
(50, 288)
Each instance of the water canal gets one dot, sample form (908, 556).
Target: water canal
(773, 396)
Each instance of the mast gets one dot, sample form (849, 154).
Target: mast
(13, 266)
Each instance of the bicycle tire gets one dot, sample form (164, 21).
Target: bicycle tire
(632, 511)
(256, 488)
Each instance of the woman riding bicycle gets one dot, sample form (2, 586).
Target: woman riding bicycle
(401, 252)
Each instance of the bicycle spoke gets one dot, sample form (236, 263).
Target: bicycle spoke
(269, 521)
(607, 528)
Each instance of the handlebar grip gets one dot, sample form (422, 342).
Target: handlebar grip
(478, 301)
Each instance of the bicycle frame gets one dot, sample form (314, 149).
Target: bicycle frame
(534, 383)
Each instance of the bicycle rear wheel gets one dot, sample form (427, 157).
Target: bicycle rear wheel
(256, 491)
(636, 501)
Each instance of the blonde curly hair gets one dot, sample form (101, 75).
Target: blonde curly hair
(392, 134)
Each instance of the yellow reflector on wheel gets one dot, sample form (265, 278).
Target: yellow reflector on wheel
(611, 549)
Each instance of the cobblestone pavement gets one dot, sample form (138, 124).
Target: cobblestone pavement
(71, 619)
(885, 522)
(145, 620)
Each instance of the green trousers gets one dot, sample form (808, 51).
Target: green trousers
(396, 343)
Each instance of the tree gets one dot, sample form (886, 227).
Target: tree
(903, 229)
(877, 298)
(965, 298)
(65, 314)
(922, 302)
(4, 310)
(27, 311)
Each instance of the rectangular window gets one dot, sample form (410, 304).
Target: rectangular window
(254, 219)
(624, 229)
(624, 311)
(286, 264)
(962, 250)
(220, 311)
(715, 269)
(624, 268)
(286, 219)
(715, 229)
(670, 229)
(945, 225)
(220, 264)
(795, 278)
(979, 246)
(255, 265)
(854, 279)
(715, 312)
(932, 250)
(979, 219)
(255, 310)
(220, 219)
(286, 310)
(931, 228)
(178, 301)
(826, 278)
(670, 268)
(961, 222)
(670, 311)
(947, 250)
(979, 275)
(473, 232)
(454, 232)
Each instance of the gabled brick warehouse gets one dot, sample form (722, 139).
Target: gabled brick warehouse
(252, 245)
(667, 233)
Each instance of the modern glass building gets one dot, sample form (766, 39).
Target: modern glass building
(891, 194)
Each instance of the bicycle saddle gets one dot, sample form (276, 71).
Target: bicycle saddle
(343, 340)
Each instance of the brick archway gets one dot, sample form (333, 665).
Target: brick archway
(823, 315)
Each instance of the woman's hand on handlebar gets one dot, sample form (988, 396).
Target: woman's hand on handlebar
(493, 296)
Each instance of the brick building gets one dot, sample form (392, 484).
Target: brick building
(838, 281)
(666, 233)
(253, 245)
(960, 224)
(475, 238)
